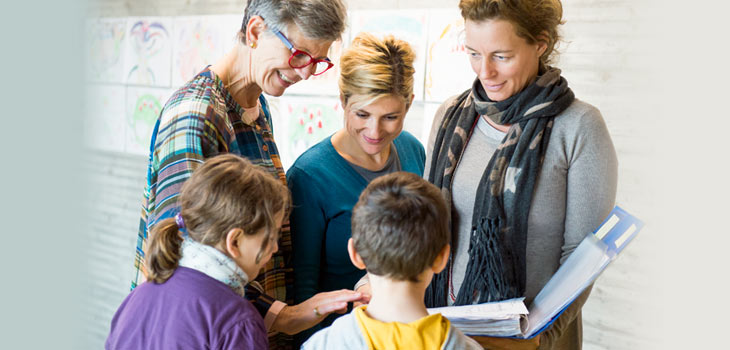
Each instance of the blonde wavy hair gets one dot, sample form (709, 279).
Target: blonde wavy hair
(372, 68)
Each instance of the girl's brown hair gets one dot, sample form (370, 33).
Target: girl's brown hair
(226, 192)
(534, 20)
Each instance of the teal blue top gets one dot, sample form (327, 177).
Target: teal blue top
(324, 189)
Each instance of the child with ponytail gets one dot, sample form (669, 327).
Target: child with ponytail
(198, 263)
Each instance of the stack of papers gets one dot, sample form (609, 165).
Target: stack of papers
(503, 318)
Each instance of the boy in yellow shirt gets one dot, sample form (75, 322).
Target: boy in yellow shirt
(401, 235)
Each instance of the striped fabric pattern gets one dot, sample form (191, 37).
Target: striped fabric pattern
(199, 121)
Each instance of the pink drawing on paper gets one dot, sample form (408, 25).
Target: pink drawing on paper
(150, 51)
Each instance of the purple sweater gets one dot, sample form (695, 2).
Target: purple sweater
(189, 311)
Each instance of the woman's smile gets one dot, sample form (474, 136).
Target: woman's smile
(372, 141)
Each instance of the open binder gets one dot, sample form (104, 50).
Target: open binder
(585, 264)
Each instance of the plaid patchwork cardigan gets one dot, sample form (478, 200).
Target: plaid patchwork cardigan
(199, 121)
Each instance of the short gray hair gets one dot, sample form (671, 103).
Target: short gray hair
(316, 19)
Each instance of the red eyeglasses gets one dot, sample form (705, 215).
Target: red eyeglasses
(301, 59)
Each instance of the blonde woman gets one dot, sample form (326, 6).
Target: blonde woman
(376, 90)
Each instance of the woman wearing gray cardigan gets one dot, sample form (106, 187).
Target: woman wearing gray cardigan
(528, 168)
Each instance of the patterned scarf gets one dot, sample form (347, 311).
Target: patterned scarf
(497, 247)
(212, 262)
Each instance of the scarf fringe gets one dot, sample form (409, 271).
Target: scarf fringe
(436, 291)
(485, 267)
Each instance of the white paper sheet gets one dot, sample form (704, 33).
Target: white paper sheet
(143, 108)
(149, 51)
(448, 71)
(301, 122)
(501, 318)
(197, 42)
(104, 46)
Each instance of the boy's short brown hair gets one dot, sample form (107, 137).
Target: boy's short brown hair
(399, 226)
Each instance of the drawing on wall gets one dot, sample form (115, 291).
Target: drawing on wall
(143, 108)
(104, 117)
(142, 49)
(149, 51)
(105, 38)
(300, 123)
(197, 43)
(408, 25)
(448, 71)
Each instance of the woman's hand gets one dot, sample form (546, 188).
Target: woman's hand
(366, 293)
(296, 318)
(493, 343)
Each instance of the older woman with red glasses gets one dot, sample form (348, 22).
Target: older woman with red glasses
(222, 110)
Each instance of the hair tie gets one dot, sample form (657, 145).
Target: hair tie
(179, 221)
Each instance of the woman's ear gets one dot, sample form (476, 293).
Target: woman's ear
(254, 28)
(233, 241)
(354, 256)
(343, 101)
(441, 259)
(542, 43)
